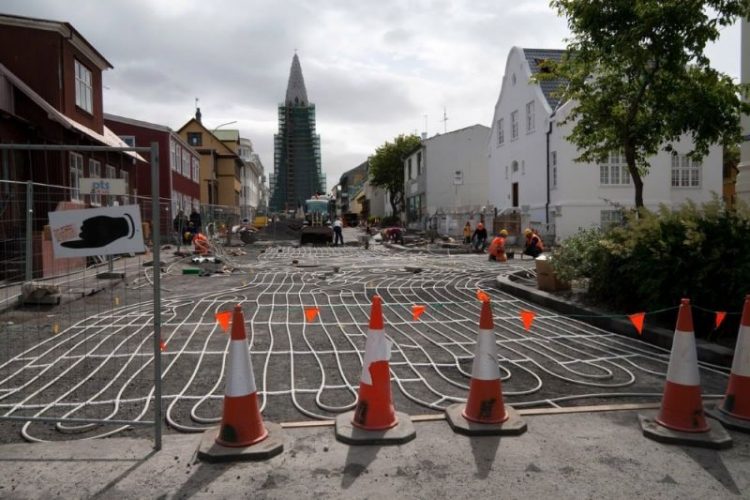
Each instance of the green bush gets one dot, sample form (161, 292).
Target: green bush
(702, 253)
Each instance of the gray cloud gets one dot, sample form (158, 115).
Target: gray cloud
(373, 71)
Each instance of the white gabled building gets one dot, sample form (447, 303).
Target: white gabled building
(447, 174)
(532, 169)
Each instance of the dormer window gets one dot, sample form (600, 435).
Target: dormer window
(84, 92)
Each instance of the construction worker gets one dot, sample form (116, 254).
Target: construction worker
(467, 233)
(497, 247)
(201, 244)
(534, 244)
(479, 238)
(338, 232)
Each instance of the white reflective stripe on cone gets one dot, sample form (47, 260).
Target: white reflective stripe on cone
(741, 362)
(377, 348)
(240, 380)
(683, 363)
(485, 357)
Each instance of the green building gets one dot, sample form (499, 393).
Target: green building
(297, 172)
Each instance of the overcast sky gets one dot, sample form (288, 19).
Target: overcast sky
(373, 69)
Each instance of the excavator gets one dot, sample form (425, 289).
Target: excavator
(317, 227)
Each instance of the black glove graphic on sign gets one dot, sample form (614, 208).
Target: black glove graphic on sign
(101, 230)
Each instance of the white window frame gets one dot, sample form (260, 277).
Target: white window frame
(500, 132)
(84, 88)
(608, 218)
(185, 163)
(514, 125)
(75, 174)
(95, 170)
(195, 169)
(530, 119)
(614, 171)
(173, 155)
(125, 175)
(686, 172)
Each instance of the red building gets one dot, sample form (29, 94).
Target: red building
(179, 164)
(51, 93)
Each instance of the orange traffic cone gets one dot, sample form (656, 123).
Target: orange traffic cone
(484, 412)
(374, 420)
(734, 410)
(681, 419)
(374, 409)
(241, 423)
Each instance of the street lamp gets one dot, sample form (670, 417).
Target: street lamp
(223, 124)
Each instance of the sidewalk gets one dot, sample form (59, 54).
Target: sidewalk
(84, 282)
(593, 455)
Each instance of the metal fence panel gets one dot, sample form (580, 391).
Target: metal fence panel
(79, 337)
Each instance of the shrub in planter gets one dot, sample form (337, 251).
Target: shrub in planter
(649, 263)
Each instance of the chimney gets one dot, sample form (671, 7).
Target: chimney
(198, 114)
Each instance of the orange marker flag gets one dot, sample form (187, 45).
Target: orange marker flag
(527, 317)
(482, 296)
(720, 315)
(223, 318)
(637, 320)
(416, 311)
(311, 313)
(162, 346)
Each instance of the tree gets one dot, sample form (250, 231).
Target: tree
(639, 78)
(387, 167)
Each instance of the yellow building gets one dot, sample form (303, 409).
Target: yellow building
(220, 166)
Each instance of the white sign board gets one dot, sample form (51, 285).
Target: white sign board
(93, 185)
(96, 231)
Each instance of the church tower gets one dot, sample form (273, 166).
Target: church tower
(297, 172)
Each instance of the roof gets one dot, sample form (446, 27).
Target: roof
(296, 93)
(107, 138)
(148, 125)
(439, 135)
(535, 57)
(227, 135)
(205, 149)
(65, 29)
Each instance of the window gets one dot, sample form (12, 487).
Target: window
(514, 166)
(530, 116)
(500, 132)
(110, 172)
(173, 155)
(129, 140)
(185, 162)
(514, 125)
(614, 170)
(419, 163)
(196, 139)
(76, 172)
(95, 170)
(84, 94)
(125, 175)
(408, 162)
(553, 165)
(685, 171)
(610, 218)
(196, 169)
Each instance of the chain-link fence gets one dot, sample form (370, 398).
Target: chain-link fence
(80, 336)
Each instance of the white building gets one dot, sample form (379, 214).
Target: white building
(743, 177)
(252, 179)
(532, 171)
(447, 175)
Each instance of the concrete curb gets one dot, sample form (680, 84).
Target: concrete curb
(708, 353)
